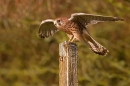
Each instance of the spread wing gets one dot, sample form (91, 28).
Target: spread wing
(47, 28)
(88, 19)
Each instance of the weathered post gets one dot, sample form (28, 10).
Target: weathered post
(68, 64)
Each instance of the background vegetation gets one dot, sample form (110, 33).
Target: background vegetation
(28, 60)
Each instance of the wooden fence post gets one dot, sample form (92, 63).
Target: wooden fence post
(68, 64)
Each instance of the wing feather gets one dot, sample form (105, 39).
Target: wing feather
(47, 28)
(88, 19)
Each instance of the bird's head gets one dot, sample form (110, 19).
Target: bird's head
(60, 22)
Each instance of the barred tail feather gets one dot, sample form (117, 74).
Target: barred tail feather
(94, 45)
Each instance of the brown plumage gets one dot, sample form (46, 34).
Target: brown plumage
(76, 29)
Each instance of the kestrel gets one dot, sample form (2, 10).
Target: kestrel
(76, 29)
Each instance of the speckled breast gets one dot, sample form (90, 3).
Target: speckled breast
(69, 27)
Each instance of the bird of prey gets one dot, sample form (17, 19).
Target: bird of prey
(76, 29)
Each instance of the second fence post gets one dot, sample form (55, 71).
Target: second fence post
(68, 64)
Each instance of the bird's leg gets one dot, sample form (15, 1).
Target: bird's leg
(71, 38)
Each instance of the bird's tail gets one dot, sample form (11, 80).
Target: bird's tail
(94, 45)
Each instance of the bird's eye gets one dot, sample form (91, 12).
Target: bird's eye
(58, 21)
